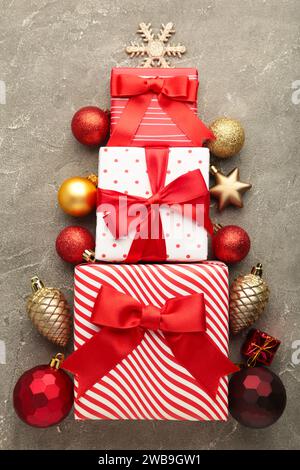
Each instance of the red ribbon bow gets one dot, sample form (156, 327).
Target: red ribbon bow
(190, 188)
(124, 321)
(172, 94)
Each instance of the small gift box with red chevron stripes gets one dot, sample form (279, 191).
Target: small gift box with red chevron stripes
(151, 342)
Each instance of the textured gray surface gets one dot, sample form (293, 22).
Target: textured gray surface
(55, 56)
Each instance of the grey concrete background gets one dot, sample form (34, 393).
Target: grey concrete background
(56, 56)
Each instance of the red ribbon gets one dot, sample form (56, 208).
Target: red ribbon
(124, 321)
(172, 94)
(189, 188)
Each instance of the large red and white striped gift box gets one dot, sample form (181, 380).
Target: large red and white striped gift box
(156, 127)
(124, 169)
(150, 384)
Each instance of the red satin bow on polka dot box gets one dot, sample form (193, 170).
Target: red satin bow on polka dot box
(151, 342)
(153, 204)
(156, 106)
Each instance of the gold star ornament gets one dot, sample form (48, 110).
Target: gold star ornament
(228, 189)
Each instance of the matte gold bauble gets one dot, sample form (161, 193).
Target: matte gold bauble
(49, 312)
(229, 137)
(249, 294)
(77, 195)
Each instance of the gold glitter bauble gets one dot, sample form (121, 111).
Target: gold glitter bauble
(230, 137)
(49, 312)
(249, 294)
(77, 195)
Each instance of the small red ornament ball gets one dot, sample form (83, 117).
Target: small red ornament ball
(72, 242)
(43, 396)
(231, 244)
(257, 397)
(90, 125)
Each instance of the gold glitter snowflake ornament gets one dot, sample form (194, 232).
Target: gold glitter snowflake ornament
(155, 46)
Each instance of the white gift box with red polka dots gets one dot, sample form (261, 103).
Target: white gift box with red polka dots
(124, 169)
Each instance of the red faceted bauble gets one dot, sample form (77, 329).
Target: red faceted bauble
(257, 397)
(43, 396)
(90, 125)
(231, 244)
(72, 242)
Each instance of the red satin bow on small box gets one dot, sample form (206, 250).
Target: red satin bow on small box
(172, 94)
(124, 321)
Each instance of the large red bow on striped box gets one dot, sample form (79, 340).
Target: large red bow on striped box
(173, 94)
(124, 320)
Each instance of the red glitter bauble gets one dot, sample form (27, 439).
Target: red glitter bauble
(43, 396)
(257, 397)
(90, 125)
(72, 242)
(231, 244)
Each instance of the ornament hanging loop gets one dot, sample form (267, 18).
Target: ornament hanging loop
(57, 360)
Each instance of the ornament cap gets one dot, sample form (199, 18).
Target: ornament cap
(36, 284)
(57, 361)
(93, 179)
(257, 270)
(89, 256)
(217, 227)
(213, 170)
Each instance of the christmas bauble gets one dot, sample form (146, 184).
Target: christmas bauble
(72, 242)
(77, 196)
(248, 296)
(231, 244)
(43, 396)
(229, 137)
(90, 125)
(257, 397)
(49, 312)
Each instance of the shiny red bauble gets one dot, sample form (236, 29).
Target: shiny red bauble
(231, 244)
(72, 242)
(43, 396)
(257, 397)
(90, 125)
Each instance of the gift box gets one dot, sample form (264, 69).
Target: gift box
(259, 347)
(170, 189)
(151, 342)
(155, 107)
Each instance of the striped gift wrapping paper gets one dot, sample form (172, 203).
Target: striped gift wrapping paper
(150, 384)
(156, 125)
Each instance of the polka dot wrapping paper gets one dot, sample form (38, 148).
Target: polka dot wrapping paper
(124, 170)
(156, 127)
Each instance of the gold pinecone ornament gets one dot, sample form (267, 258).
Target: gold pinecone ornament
(49, 312)
(248, 297)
